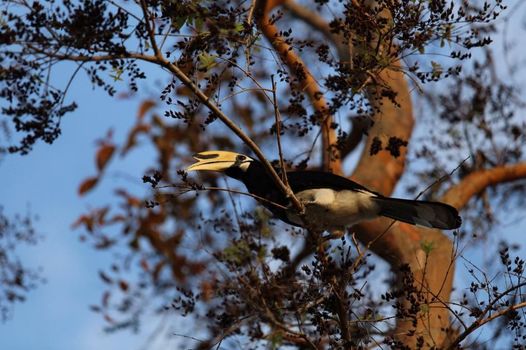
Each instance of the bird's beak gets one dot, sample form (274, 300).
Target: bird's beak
(213, 161)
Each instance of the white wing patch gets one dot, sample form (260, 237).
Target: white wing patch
(322, 196)
(327, 209)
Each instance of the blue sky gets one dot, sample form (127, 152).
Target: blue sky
(45, 182)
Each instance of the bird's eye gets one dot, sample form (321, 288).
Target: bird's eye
(241, 157)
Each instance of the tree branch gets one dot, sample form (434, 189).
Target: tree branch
(308, 84)
(311, 18)
(234, 128)
(482, 321)
(150, 29)
(203, 98)
(360, 126)
(317, 23)
(460, 194)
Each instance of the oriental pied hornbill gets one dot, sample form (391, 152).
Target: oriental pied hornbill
(331, 201)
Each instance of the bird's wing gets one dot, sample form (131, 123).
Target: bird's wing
(311, 179)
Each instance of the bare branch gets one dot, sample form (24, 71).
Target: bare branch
(278, 131)
(311, 18)
(460, 194)
(149, 28)
(482, 321)
(212, 188)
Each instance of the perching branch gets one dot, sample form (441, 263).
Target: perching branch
(173, 68)
(277, 117)
(221, 189)
(233, 127)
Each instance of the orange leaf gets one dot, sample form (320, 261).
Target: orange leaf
(86, 220)
(87, 185)
(145, 107)
(103, 155)
(207, 290)
(123, 285)
(145, 266)
(108, 318)
(132, 137)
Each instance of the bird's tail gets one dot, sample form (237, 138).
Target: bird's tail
(422, 213)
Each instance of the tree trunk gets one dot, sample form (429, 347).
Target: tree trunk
(428, 253)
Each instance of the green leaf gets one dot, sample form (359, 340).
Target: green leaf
(424, 308)
(206, 61)
(276, 339)
(239, 27)
(237, 252)
(427, 247)
(118, 74)
(262, 215)
(179, 21)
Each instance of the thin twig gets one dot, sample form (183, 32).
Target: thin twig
(212, 188)
(235, 129)
(277, 117)
(250, 15)
(368, 246)
(444, 304)
(150, 29)
(442, 178)
(307, 82)
(248, 75)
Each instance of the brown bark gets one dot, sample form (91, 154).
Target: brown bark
(459, 195)
(402, 243)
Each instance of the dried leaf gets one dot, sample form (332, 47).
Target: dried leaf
(109, 319)
(88, 184)
(101, 215)
(115, 219)
(132, 137)
(132, 201)
(86, 220)
(103, 155)
(144, 108)
(145, 266)
(157, 270)
(207, 290)
(123, 285)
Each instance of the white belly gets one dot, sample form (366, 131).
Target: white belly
(326, 209)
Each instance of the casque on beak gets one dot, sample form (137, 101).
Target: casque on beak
(213, 161)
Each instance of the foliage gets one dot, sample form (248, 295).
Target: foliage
(319, 78)
(16, 279)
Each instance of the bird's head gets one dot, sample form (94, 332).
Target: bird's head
(233, 164)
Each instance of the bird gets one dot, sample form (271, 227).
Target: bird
(331, 202)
